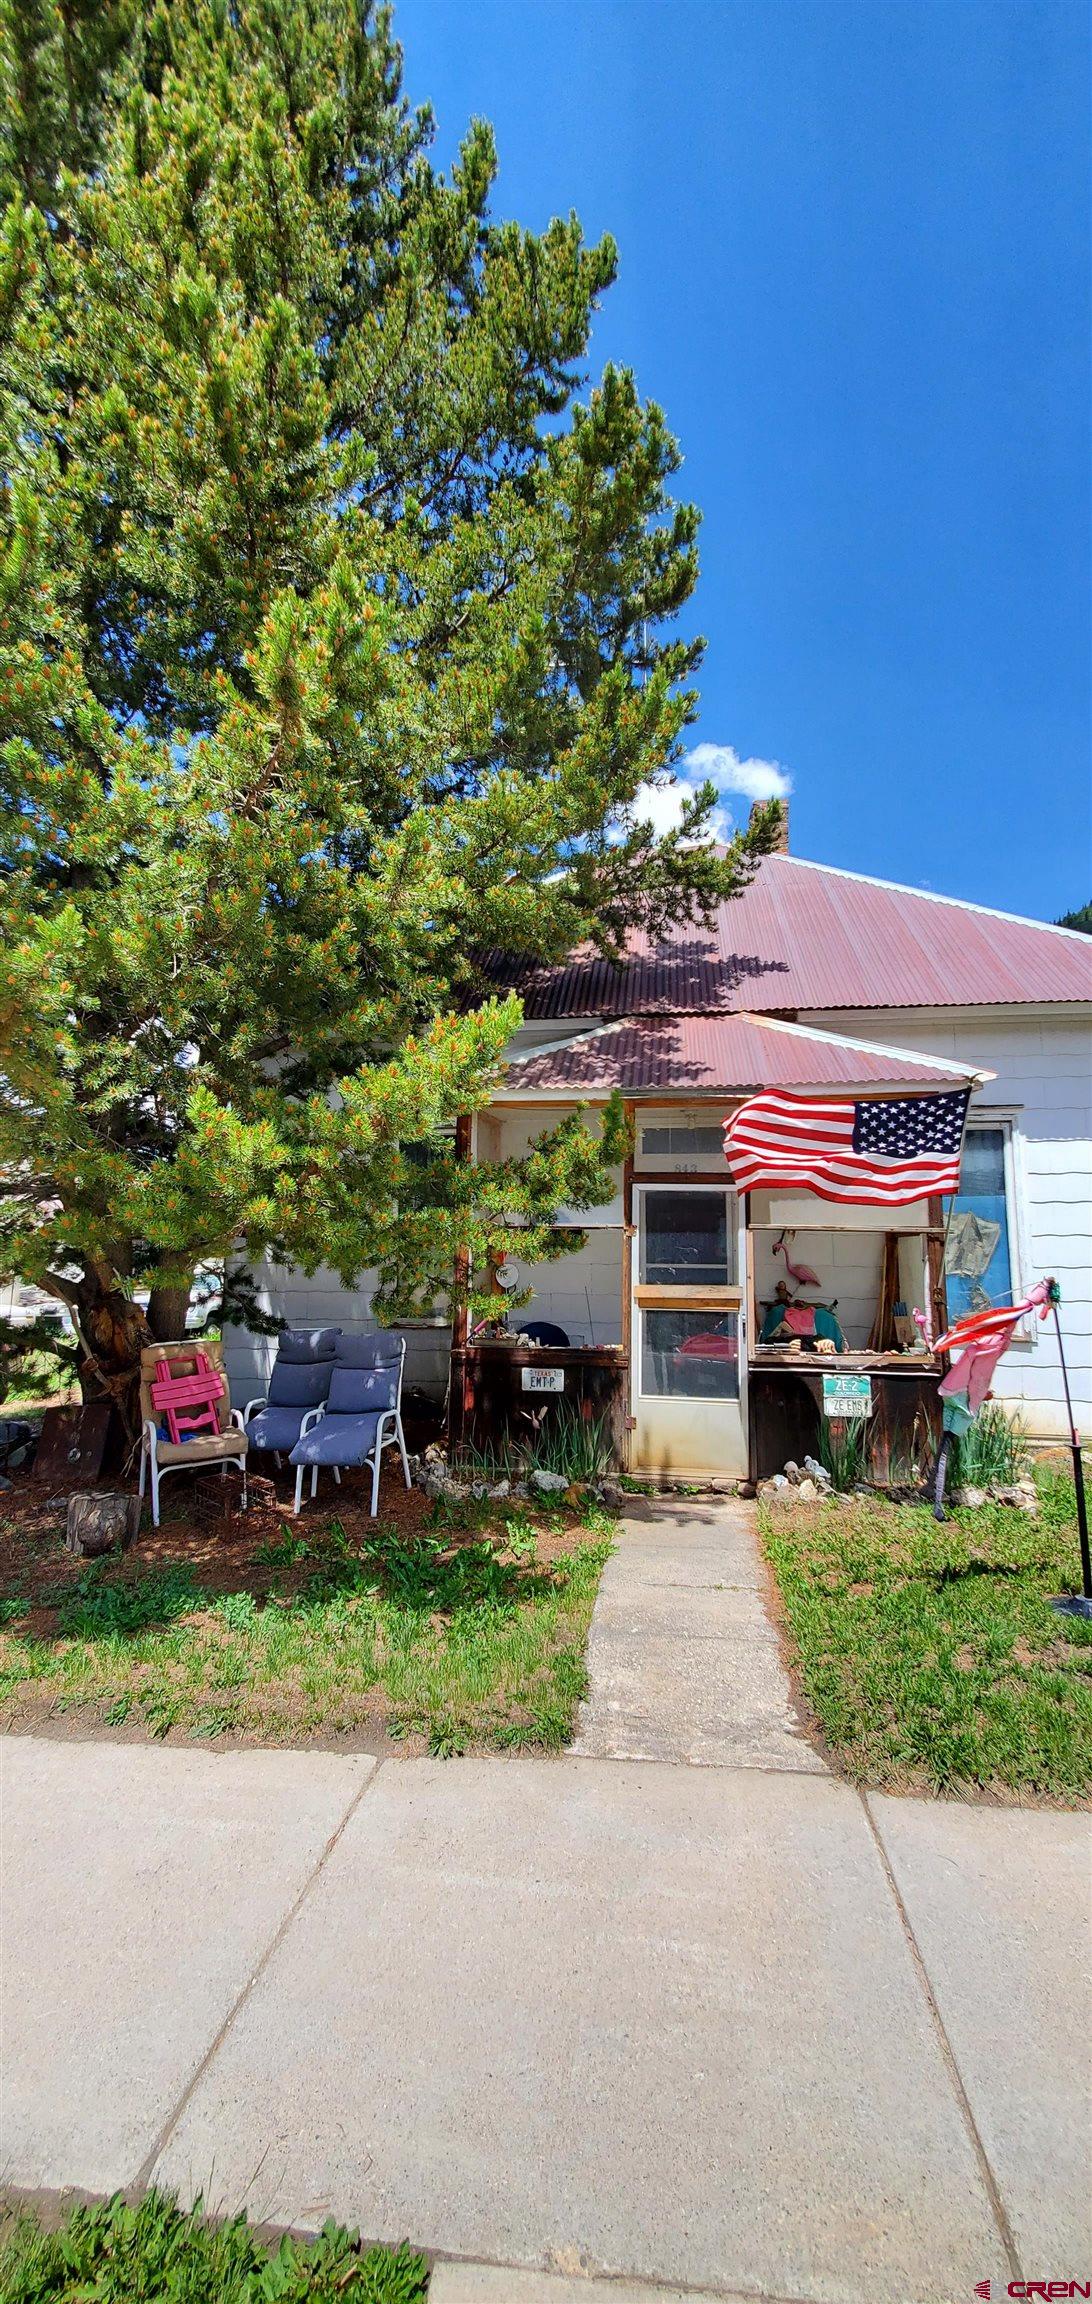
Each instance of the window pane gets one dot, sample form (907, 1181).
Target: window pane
(977, 1262)
(690, 1355)
(686, 1240)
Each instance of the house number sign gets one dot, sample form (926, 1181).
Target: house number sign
(543, 1379)
(845, 1396)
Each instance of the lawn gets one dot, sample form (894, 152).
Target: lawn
(929, 1655)
(446, 1627)
(119, 2254)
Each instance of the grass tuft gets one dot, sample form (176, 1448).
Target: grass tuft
(117, 2253)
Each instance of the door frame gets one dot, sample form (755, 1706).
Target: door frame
(650, 1296)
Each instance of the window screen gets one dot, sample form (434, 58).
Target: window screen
(977, 1258)
(683, 1143)
(686, 1239)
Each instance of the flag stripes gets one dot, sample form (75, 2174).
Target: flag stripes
(882, 1152)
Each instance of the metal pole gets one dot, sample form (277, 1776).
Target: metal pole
(1073, 1604)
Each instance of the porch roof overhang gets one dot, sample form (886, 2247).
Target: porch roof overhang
(691, 1056)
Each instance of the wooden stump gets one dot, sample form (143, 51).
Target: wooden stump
(100, 1520)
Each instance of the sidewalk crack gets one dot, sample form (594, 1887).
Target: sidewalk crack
(144, 2173)
(955, 2077)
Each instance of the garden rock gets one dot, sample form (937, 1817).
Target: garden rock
(549, 1483)
(503, 1488)
(971, 1499)
(792, 1471)
(807, 1491)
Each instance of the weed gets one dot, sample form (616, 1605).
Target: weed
(118, 2253)
(283, 1551)
(94, 1609)
(237, 1610)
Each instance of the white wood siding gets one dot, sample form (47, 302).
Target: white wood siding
(1043, 1063)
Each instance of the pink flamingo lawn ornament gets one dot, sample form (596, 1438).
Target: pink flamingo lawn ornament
(802, 1274)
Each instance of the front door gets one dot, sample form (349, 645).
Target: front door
(689, 1358)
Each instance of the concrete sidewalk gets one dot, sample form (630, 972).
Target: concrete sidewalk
(683, 1659)
(733, 2031)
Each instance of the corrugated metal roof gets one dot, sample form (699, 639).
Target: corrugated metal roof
(708, 1055)
(808, 936)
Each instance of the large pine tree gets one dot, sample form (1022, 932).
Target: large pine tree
(336, 637)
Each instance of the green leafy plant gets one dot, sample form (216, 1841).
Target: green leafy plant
(843, 1450)
(992, 1453)
(119, 2253)
(566, 1442)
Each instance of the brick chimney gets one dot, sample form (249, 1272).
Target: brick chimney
(781, 843)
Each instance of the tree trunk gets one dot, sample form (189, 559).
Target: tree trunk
(114, 1331)
(167, 1309)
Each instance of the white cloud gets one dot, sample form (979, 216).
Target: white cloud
(757, 779)
(661, 805)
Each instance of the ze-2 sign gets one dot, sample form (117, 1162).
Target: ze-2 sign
(845, 1396)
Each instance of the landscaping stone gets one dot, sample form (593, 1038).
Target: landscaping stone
(807, 1491)
(550, 1483)
(971, 1499)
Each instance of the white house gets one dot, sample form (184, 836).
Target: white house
(813, 980)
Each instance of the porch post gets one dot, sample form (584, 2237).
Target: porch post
(628, 1411)
(458, 1401)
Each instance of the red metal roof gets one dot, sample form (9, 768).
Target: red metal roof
(806, 936)
(709, 1055)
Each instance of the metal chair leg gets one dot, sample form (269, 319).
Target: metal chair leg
(401, 1439)
(314, 1482)
(299, 1486)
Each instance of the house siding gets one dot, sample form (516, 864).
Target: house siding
(1043, 1067)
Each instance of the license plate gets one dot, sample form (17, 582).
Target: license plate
(845, 1396)
(543, 1379)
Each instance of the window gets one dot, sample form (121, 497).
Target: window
(980, 1254)
(683, 1143)
(690, 1355)
(687, 1240)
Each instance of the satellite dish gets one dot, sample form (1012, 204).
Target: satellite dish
(507, 1275)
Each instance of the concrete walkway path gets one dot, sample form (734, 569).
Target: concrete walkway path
(732, 2031)
(683, 1658)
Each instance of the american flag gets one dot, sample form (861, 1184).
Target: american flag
(886, 1150)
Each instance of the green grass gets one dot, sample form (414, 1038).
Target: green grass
(930, 1654)
(461, 1635)
(117, 2254)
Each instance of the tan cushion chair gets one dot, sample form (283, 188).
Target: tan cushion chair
(157, 1455)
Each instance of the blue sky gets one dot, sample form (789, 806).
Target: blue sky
(854, 241)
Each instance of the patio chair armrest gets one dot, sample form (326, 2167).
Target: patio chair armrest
(237, 1417)
(150, 1434)
(313, 1416)
(251, 1408)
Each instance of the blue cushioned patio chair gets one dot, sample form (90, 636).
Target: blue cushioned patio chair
(294, 1387)
(362, 1416)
